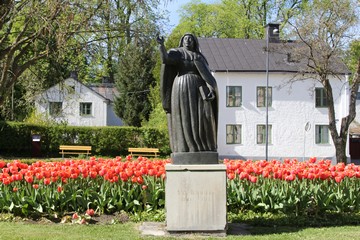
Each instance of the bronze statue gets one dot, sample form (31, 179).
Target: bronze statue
(190, 99)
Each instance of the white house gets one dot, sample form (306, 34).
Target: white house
(297, 115)
(79, 105)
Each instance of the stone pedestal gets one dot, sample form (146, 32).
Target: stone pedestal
(195, 198)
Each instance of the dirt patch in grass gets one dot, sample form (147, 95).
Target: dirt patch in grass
(119, 217)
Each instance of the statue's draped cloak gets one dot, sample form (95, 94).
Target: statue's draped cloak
(192, 121)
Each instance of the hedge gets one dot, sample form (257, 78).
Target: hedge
(16, 139)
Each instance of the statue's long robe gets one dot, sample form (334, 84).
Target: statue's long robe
(192, 121)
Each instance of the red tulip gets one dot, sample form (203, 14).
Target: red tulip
(231, 176)
(2, 164)
(47, 181)
(252, 179)
(29, 179)
(90, 212)
(75, 216)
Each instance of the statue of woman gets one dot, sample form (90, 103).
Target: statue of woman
(189, 97)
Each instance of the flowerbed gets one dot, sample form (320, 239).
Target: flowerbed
(136, 185)
(106, 185)
(293, 187)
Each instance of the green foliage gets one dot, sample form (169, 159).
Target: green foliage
(34, 30)
(299, 197)
(134, 80)
(234, 19)
(353, 55)
(157, 118)
(291, 220)
(105, 141)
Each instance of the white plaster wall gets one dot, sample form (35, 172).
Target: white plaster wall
(292, 107)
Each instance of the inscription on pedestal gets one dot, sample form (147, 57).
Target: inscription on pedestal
(196, 197)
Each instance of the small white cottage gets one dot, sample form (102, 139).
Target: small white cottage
(296, 116)
(79, 105)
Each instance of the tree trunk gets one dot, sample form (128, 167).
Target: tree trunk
(340, 150)
(340, 139)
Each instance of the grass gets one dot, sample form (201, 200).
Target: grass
(18, 230)
(282, 233)
(21, 230)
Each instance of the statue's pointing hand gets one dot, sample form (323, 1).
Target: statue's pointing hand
(160, 40)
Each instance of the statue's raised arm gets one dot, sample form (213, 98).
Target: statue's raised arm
(162, 49)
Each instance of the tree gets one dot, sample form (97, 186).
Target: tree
(88, 37)
(33, 30)
(133, 80)
(323, 30)
(234, 18)
(116, 25)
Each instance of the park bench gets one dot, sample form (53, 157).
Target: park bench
(153, 152)
(74, 149)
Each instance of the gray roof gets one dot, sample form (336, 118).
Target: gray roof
(249, 55)
(106, 90)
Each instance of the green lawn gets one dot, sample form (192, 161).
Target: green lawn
(19, 230)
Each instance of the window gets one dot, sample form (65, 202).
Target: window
(261, 96)
(322, 134)
(261, 134)
(71, 89)
(85, 109)
(233, 96)
(55, 108)
(233, 134)
(358, 96)
(320, 97)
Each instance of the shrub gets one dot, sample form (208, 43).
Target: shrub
(106, 141)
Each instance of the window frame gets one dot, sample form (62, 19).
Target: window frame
(262, 89)
(358, 96)
(232, 95)
(320, 134)
(235, 133)
(55, 108)
(320, 101)
(263, 134)
(87, 108)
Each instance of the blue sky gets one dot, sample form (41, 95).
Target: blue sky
(173, 6)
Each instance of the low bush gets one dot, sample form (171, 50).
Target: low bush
(105, 141)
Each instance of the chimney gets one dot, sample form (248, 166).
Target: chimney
(106, 79)
(74, 75)
(272, 31)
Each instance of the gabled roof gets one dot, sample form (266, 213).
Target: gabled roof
(106, 91)
(249, 55)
